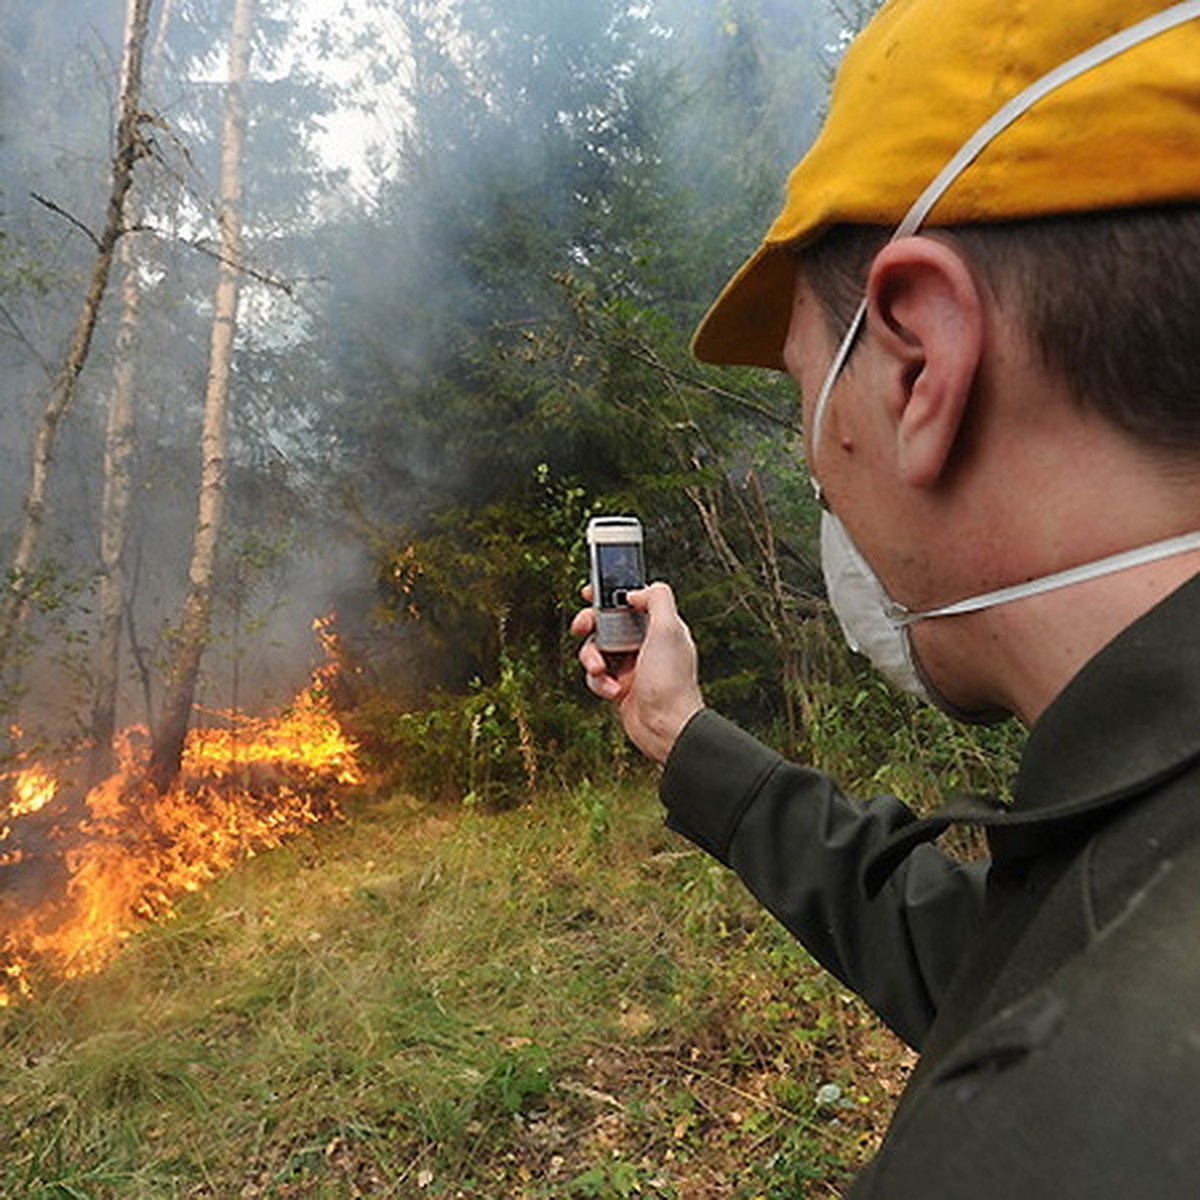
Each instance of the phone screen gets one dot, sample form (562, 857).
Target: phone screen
(621, 570)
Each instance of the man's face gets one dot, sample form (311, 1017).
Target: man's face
(855, 457)
(890, 519)
(851, 462)
(852, 455)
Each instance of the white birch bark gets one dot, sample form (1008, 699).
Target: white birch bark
(128, 149)
(119, 448)
(114, 522)
(194, 625)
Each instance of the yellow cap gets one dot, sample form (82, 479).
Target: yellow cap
(920, 80)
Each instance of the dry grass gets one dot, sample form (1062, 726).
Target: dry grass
(559, 1001)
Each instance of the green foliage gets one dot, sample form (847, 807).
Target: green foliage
(50, 647)
(484, 580)
(875, 739)
(614, 1177)
(564, 218)
(494, 744)
(518, 1081)
(492, 592)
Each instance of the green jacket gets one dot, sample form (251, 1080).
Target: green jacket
(1054, 991)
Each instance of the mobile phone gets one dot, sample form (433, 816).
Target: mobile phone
(617, 568)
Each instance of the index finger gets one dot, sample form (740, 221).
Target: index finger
(583, 622)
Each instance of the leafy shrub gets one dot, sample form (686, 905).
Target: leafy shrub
(496, 744)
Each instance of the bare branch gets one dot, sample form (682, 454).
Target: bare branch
(14, 604)
(24, 339)
(58, 210)
(684, 377)
(286, 287)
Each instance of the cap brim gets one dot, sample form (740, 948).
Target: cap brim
(924, 80)
(748, 323)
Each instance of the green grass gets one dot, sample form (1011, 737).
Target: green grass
(559, 1001)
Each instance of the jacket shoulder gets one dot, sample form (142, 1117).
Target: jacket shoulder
(1087, 1086)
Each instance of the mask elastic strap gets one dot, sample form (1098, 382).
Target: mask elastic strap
(1138, 557)
(1101, 52)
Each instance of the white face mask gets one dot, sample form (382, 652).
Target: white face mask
(876, 626)
(865, 611)
(872, 622)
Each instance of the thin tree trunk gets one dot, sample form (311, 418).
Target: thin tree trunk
(119, 447)
(172, 729)
(118, 480)
(128, 149)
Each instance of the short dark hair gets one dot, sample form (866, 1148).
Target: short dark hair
(1109, 300)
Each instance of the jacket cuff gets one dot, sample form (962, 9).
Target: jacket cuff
(712, 774)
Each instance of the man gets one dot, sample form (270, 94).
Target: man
(986, 282)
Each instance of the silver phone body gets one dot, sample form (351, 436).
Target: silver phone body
(617, 567)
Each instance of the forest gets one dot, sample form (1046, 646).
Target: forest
(384, 303)
(324, 329)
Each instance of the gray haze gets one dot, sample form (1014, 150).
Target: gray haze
(348, 302)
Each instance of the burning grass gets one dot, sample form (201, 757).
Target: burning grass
(79, 872)
(560, 1002)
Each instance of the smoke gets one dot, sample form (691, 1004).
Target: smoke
(498, 146)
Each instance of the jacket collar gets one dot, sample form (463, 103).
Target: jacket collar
(1127, 722)
(1129, 719)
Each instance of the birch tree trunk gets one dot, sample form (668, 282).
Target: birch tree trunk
(119, 446)
(128, 149)
(169, 737)
(114, 524)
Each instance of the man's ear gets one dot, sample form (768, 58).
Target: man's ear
(926, 315)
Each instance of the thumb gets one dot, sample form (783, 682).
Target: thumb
(658, 600)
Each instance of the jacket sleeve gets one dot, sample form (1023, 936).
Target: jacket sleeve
(799, 845)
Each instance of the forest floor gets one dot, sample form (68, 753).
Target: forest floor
(559, 1001)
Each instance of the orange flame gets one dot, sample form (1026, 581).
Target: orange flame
(33, 789)
(124, 853)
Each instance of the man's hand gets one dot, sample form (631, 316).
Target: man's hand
(656, 689)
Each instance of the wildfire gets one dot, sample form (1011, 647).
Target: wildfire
(77, 876)
(33, 789)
